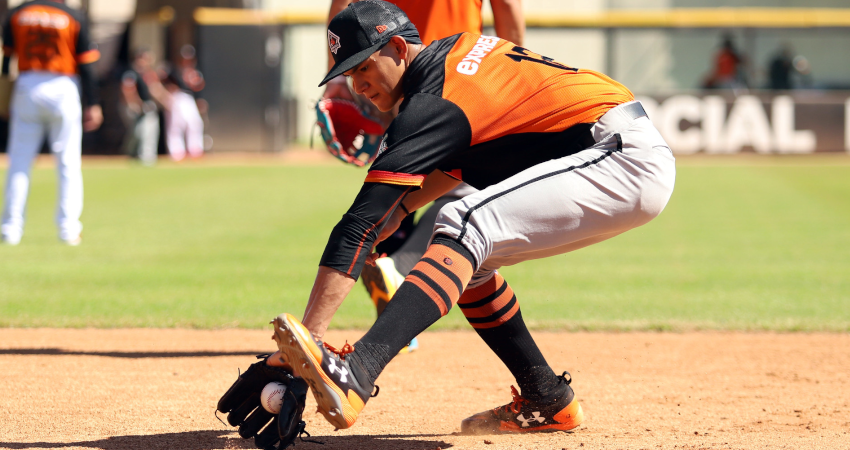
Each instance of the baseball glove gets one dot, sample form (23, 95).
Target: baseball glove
(241, 403)
(349, 132)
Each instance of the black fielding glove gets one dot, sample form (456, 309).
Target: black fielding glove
(241, 403)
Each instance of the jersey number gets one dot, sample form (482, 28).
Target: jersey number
(523, 56)
(41, 44)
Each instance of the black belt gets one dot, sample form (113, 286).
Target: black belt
(635, 110)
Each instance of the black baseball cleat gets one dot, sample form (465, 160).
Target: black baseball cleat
(524, 416)
(334, 381)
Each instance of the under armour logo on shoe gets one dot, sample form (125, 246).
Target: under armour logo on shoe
(343, 372)
(536, 418)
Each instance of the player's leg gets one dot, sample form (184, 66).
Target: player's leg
(131, 119)
(175, 132)
(65, 139)
(409, 254)
(148, 135)
(343, 380)
(383, 279)
(566, 204)
(547, 402)
(26, 134)
(194, 128)
(556, 207)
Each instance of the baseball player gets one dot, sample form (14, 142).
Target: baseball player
(55, 56)
(184, 127)
(433, 19)
(138, 110)
(563, 157)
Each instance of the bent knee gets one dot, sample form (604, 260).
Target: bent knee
(455, 222)
(655, 197)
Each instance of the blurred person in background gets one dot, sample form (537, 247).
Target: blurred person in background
(729, 71)
(434, 19)
(192, 81)
(56, 78)
(184, 127)
(780, 69)
(138, 110)
(787, 71)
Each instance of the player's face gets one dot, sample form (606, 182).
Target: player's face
(379, 77)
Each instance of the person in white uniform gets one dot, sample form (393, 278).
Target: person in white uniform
(184, 127)
(54, 56)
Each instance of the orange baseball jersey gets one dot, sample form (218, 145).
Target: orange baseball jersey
(48, 36)
(437, 19)
(482, 109)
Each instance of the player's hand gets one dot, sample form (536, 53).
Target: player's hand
(392, 225)
(92, 118)
(242, 405)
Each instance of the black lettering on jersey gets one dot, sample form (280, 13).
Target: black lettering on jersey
(523, 56)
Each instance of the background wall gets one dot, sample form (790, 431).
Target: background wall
(649, 62)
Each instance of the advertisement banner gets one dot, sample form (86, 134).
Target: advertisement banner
(782, 123)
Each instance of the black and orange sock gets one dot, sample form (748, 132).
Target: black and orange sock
(492, 309)
(429, 291)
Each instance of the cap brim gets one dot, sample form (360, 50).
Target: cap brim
(351, 62)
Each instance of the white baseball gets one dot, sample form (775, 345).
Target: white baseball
(272, 397)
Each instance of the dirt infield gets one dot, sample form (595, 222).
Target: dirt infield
(157, 389)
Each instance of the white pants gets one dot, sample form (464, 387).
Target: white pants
(142, 138)
(558, 206)
(45, 105)
(184, 128)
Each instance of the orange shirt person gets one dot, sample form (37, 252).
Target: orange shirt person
(563, 158)
(437, 19)
(56, 78)
(433, 20)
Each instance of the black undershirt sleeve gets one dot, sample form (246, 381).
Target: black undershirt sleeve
(352, 239)
(8, 42)
(88, 80)
(88, 83)
(428, 130)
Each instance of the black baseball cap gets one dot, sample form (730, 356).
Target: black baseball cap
(363, 28)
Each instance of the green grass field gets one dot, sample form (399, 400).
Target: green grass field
(740, 246)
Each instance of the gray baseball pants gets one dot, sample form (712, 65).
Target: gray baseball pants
(620, 183)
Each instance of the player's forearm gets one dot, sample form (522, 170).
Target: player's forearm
(509, 20)
(160, 95)
(436, 185)
(329, 290)
(336, 7)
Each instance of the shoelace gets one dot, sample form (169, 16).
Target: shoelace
(515, 405)
(346, 349)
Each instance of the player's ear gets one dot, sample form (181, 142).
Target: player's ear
(399, 46)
